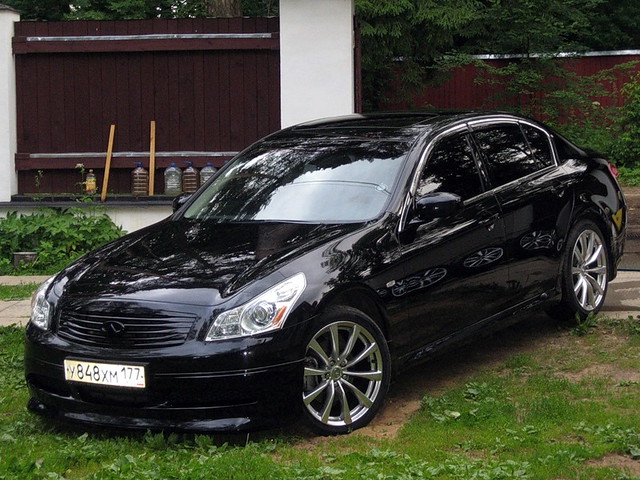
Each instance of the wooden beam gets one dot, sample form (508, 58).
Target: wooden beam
(107, 165)
(23, 45)
(152, 157)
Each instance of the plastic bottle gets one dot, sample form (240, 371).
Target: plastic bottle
(139, 180)
(190, 179)
(173, 180)
(206, 173)
(90, 183)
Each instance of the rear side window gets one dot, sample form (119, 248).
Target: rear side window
(566, 151)
(540, 145)
(451, 168)
(506, 153)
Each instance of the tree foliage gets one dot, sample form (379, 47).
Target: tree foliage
(407, 36)
(405, 41)
(139, 9)
(40, 9)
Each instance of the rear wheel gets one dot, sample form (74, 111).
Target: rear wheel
(347, 372)
(585, 272)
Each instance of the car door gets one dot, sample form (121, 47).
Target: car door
(453, 267)
(529, 187)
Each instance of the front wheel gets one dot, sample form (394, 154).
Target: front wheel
(346, 373)
(585, 271)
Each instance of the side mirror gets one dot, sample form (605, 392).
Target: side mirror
(437, 205)
(180, 200)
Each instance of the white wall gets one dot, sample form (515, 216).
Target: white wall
(316, 59)
(8, 178)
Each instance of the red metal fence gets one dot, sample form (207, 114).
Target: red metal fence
(211, 85)
(462, 90)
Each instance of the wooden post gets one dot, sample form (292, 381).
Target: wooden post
(152, 158)
(107, 165)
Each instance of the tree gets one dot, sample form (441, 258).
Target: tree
(401, 39)
(141, 9)
(40, 9)
(223, 8)
(615, 26)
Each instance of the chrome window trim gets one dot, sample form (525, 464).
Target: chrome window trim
(554, 153)
(406, 204)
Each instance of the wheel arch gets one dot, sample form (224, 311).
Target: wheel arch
(362, 299)
(598, 217)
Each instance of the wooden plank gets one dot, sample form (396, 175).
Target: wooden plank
(250, 98)
(25, 163)
(147, 87)
(58, 105)
(172, 126)
(42, 117)
(161, 100)
(152, 157)
(211, 101)
(107, 164)
(95, 104)
(135, 125)
(21, 46)
(274, 93)
(262, 95)
(186, 101)
(198, 107)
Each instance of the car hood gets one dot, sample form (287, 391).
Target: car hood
(185, 261)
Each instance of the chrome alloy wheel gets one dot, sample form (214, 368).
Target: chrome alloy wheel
(589, 270)
(343, 374)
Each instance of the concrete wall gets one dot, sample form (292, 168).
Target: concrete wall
(8, 179)
(316, 59)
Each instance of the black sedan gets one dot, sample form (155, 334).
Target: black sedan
(320, 262)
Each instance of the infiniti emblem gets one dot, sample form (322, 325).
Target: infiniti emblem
(113, 328)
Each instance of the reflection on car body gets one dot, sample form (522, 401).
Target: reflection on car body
(483, 257)
(538, 240)
(321, 261)
(398, 288)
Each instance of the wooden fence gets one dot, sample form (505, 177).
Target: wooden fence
(211, 85)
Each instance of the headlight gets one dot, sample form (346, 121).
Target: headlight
(267, 311)
(40, 308)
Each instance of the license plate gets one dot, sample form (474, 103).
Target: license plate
(117, 375)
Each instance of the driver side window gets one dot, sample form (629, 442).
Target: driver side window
(451, 168)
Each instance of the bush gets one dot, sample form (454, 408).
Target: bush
(59, 236)
(626, 151)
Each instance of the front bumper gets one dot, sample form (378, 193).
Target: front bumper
(188, 388)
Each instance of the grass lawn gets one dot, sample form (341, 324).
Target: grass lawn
(533, 402)
(17, 292)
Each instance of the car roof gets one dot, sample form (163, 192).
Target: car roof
(402, 126)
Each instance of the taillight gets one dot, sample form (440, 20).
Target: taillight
(613, 169)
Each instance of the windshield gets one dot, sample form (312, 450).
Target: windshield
(305, 182)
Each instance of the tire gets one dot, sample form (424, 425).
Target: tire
(585, 272)
(347, 372)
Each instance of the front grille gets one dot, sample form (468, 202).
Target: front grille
(124, 331)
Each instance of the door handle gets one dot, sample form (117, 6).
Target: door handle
(490, 222)
(558, 190)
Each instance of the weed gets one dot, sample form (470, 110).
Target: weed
(57, 235)
(586, 325)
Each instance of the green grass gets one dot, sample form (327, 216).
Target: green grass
(17, 292)
(556, 407)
